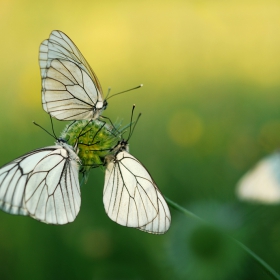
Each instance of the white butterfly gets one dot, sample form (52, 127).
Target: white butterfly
(43, 184)
(131, 197)
(261, 184)
(70, 88)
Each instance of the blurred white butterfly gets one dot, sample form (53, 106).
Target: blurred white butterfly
(70, 88)
(131, 197)
(262, 183)
(43, 184)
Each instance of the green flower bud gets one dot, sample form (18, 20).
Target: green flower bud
(94, 139)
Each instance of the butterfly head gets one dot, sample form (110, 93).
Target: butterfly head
(121, 146)
(124, 146)
(105, 104)
(100, 106)
(60, 140)
(72, 152)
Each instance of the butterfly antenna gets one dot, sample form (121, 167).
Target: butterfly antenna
(53, 128)
(134, 125)
(131, 129)
(124, 91)
(109, 89)
(45, 130)
(131, 118)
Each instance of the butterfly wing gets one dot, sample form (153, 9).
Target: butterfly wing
(131, 197)
(161, 222)
(13, 178)
(70, 89)
(60, 46)
(52, 192)
(42, 184)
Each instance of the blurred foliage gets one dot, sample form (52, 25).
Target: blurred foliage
(205, 248)
(210, 106)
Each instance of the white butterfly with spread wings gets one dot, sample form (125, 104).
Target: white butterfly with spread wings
(43, 184)
(131, 197)
(70, 88)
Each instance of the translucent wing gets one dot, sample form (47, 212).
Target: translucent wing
(70, 89)
(13, 178)
(52, 192)
(69, 93)
(162, 221)
(131, 197)
(43, 184)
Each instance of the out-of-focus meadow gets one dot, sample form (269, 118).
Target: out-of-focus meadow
(211, 109)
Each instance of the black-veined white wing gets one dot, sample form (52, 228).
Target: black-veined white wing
(70, 88)
(162, 221)
(42, 184)
(13, 178)
(60, 46)
(131, 197)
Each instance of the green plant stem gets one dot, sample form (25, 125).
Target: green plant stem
(183, 210)
(260, 261)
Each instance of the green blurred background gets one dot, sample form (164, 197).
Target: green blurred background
(211, 109)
